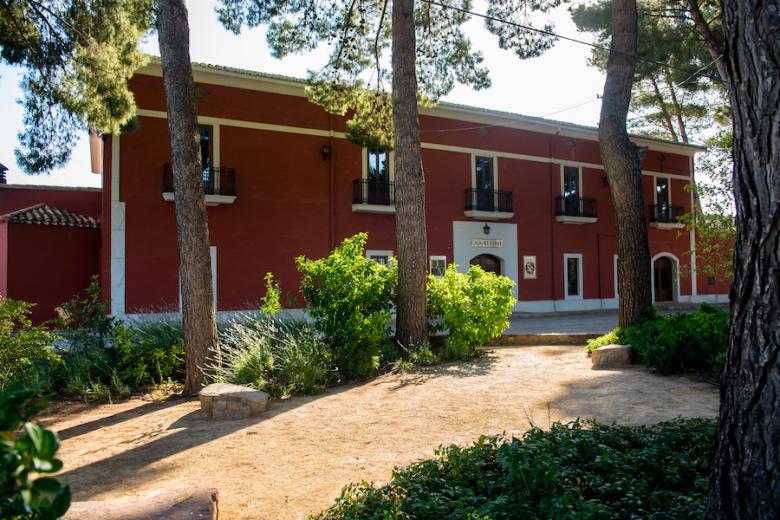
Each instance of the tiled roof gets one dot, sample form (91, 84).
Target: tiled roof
(45, 215)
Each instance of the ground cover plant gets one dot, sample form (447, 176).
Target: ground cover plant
(676, 343)
(27, 456)
(270, 354)
(577, 470)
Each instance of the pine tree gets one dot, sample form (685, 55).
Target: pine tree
(77, 57)
(430, 53)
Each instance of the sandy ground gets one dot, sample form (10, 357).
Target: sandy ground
(295, 459)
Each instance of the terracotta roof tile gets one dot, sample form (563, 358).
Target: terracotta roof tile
(45, 215)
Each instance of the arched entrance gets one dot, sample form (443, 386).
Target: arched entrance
(488, 263)
(663, 279)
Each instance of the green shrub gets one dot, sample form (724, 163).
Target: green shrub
(472, 308)
(150, 351)
(574, 471)
(273, 294)
(677, 342)
(27, 352)
(84, 319)
(269, 354)
(350, 298)
(25, 459)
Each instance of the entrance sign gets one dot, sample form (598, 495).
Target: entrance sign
(487, 242)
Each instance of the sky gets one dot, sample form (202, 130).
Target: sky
(559, 84)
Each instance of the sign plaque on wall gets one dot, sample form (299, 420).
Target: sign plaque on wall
(487, 242)
(529, 267)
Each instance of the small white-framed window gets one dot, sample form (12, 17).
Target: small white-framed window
(572, 276)
(437, 265)
(380, 256)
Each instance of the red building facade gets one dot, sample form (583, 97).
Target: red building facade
(523, 196)
(49, 244)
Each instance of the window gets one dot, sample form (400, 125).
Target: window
(380, 257)
(662, 200)
(571, 190)
(572, 276)
(710, 280)
(377, 176)
(438, 264)
(484, 183)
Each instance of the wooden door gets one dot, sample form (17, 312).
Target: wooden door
(488, 263)
(662, 271)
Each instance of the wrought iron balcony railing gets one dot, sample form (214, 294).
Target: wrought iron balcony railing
(216, 181)
(374, 192)
(666, 213)
(488, 200)
(575, 207)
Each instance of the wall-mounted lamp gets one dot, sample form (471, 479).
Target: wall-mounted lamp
(325, 151)
(486, 229)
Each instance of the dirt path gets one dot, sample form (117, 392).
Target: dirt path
(295, 460)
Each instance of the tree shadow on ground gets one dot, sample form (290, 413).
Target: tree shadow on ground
(633, 395)
(117, 418)
(456, 369)
(142, 462)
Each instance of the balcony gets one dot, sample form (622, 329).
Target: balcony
(666, 216)
(576, 210)
(488, 204)
(219, 185)
(372, 196)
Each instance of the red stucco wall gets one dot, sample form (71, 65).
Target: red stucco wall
(284, 191)
(85, 201)
(47, 265)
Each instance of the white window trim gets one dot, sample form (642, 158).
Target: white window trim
(474, 169)
(436, 257)
(668, 188)
(579, 179)
(615, 264)
(390, 164)
(566, 257)
(371, 253)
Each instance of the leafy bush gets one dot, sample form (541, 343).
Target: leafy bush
(85, 320)
(577, 470)
(678, 342)
(473, 308)
(269, 354)
(273, 293)
(350, 298)
(150, 351)
(25, 456)
(27, 352)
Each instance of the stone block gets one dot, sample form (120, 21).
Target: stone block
(226, 401)
(612, 356)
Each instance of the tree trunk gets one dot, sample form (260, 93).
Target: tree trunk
(198, 313)
(664, 111)
(714, 47)
(622, 163)
(745, 483)
(677, 108)
(411, 319)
